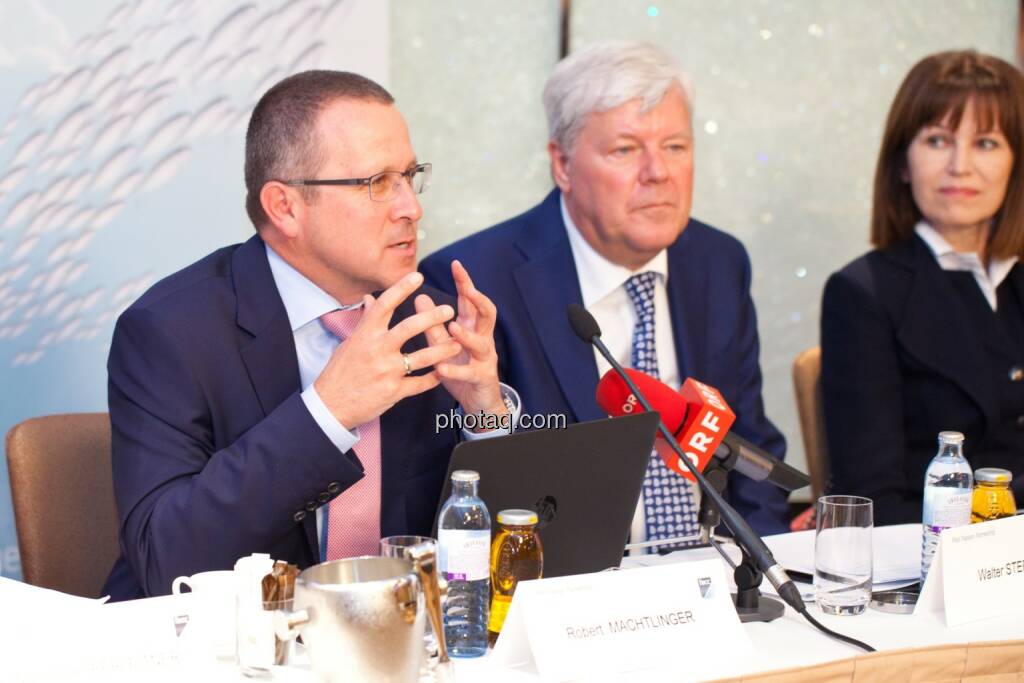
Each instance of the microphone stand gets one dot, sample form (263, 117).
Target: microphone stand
(751, 605)
(587, 329)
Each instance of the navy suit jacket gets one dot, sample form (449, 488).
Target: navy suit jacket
(525, 266)
(215, 455)
(902, 359)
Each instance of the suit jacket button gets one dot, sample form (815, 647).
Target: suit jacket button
(324, 497)
(1016, 373)
(311, 506)
(299, 516)
(333, 487)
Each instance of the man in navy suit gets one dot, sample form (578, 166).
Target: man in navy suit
(262, 399)
(617, 237)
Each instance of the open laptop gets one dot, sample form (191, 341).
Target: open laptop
(583, 481)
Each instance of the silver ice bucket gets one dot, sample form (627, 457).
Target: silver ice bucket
(362, 619)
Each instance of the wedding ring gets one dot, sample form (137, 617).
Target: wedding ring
(408, 365)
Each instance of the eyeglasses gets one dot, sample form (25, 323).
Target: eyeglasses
(383, 186)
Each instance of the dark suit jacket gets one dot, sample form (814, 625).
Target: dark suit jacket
(215, 455)
(901, 361)
(525, 266)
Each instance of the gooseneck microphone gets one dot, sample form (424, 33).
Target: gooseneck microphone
(587, 329)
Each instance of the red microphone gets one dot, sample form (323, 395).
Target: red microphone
(697, 415)
(616, 399)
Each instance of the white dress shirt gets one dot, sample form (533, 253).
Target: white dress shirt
(603, 286)
(304, 303)
(949, 259)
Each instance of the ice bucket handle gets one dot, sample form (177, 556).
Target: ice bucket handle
(424, 562)
(406, 591)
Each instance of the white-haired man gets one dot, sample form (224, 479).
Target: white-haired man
(672, 295)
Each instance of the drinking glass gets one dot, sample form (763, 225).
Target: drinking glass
(394, 546)
(842, 554)
(262, 639)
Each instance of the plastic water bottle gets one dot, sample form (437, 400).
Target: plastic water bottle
(947, 495)
(464, 543)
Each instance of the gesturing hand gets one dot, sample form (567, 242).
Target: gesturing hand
(366, 375)
(471, 376)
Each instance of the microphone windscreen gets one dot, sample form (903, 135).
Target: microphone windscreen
(583, 324)
(615, 398)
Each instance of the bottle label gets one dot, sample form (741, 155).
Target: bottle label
(946, 508)
(463, 555)
(499, 610)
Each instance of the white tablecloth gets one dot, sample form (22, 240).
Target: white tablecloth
(49, 636)
(791, 641)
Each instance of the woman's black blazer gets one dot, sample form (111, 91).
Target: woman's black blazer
(902, 361)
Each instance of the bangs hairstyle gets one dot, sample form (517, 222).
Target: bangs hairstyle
(282, 142)
(937, 91)
(602, 76)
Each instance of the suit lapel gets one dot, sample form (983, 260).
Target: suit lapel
(269, 356)
(937, 328)
(1016, 278)
(996, 336)
(687, 301)
(548, 283)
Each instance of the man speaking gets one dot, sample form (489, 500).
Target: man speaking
(264, 399)
(671, 294)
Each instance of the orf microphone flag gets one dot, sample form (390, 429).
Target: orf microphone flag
(697, 415)
(708, 421)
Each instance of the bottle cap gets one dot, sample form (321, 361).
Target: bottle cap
(954, 438)
(465, 475)
(517, 517)
(991, 475)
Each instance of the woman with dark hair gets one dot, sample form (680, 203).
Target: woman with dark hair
(926, 332)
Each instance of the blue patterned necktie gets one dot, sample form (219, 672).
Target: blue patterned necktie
(669, 508)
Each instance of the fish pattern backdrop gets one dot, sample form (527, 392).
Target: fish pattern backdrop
(122, 127)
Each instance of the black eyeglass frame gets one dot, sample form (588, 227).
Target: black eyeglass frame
(408, 174)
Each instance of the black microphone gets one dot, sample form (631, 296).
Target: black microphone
(752, 461)
(587, 329)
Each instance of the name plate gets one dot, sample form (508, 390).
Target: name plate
(673, 617)
(977, 572)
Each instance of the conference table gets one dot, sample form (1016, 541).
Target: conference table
(62, 637)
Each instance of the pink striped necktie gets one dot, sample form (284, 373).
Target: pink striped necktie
(353, 517)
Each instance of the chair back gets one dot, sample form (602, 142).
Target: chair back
(807, 383)
(63, 494)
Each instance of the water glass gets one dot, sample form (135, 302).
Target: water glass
(842, 554)
(262, 639)
(395, 546)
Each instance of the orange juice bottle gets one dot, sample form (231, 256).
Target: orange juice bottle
(516, 555)
(992, 497)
